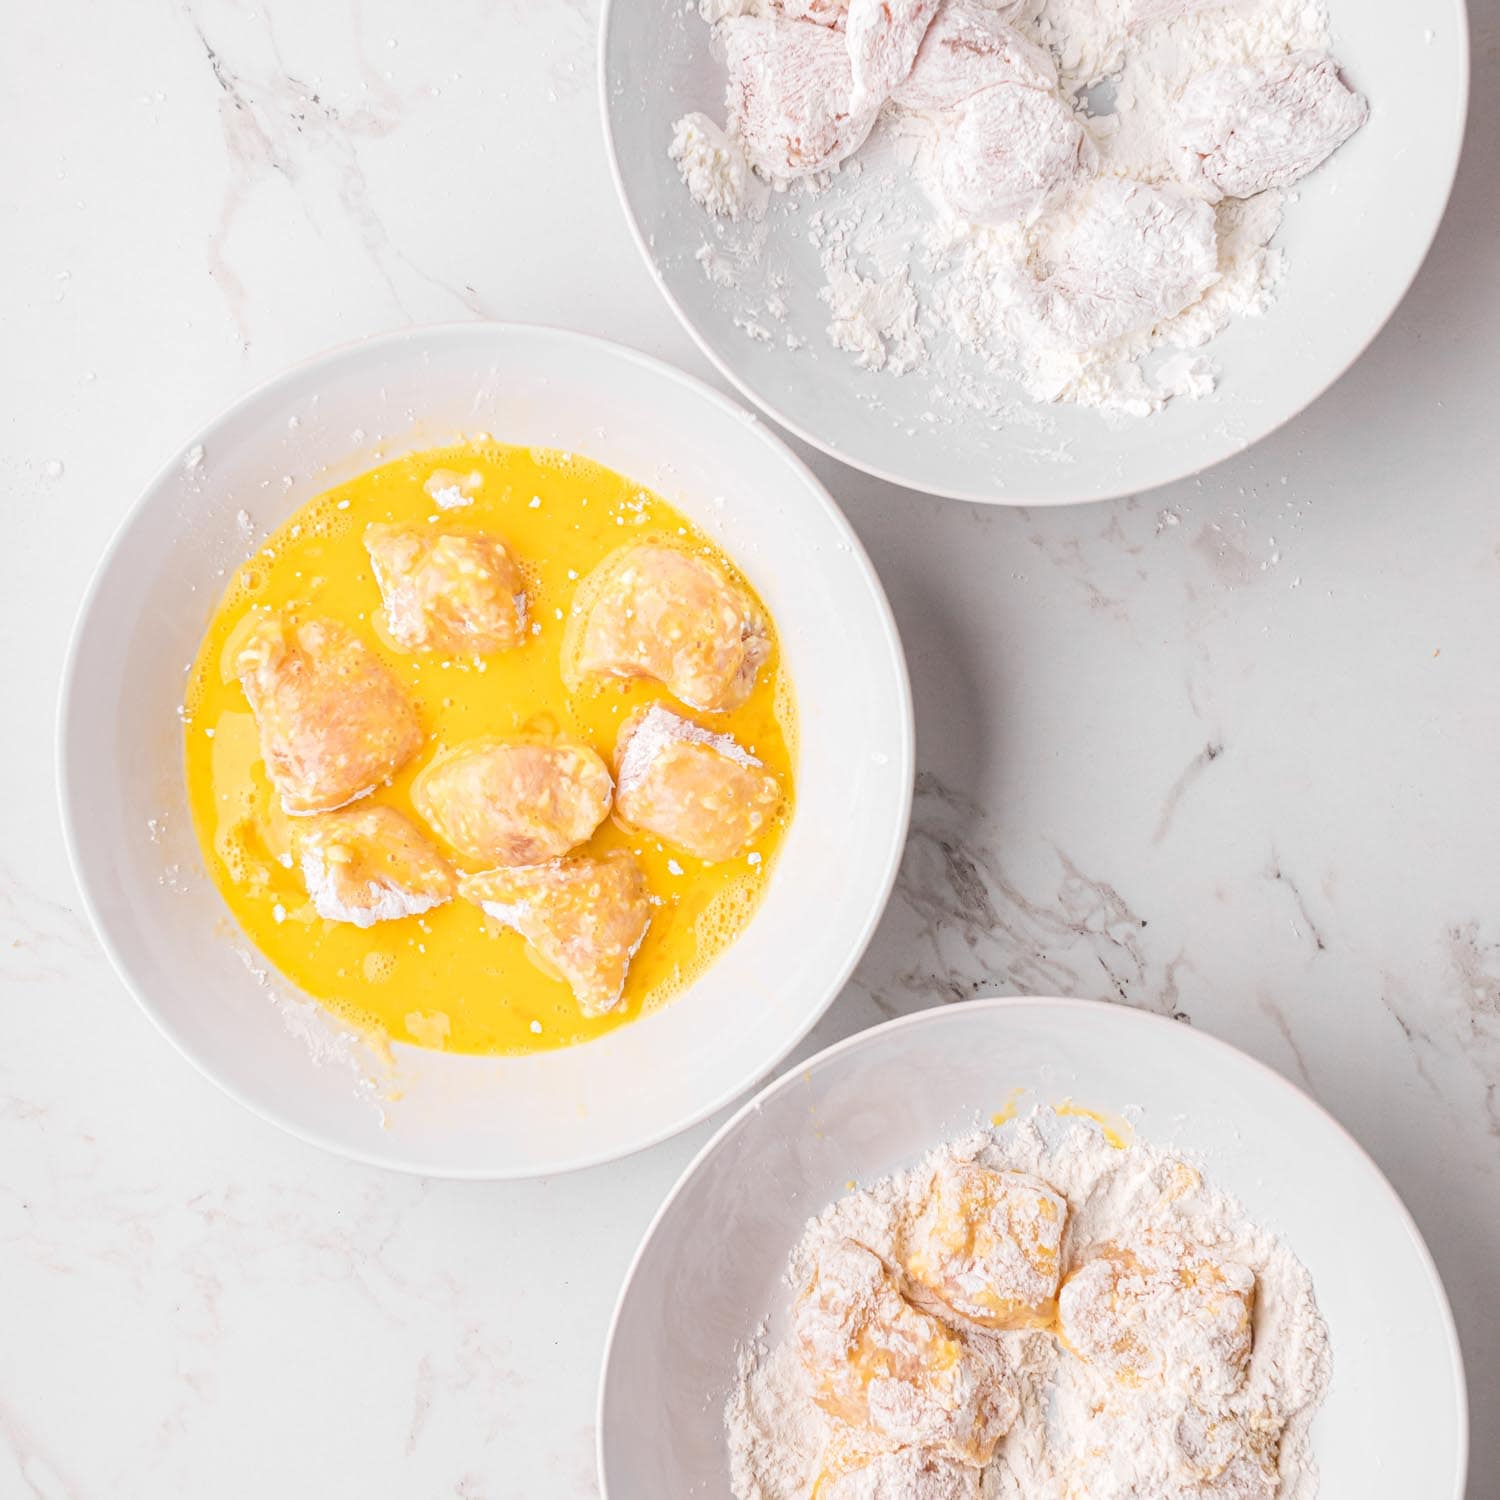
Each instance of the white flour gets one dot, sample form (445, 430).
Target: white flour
(1079, 1433)
(1060, 295)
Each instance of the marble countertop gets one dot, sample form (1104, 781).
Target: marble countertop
(1226, 751)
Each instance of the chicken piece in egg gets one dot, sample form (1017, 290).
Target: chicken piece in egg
(334, 723)
(514, 804)
(584, 919)
(654, 610)
(447, 590)
(1161, 1309)
(892, 1372)
(697, 790)
(370, 864)
(988, 1245)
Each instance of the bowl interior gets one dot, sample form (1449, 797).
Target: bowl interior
(710, 1267)
(139, 863)
(1354, 238)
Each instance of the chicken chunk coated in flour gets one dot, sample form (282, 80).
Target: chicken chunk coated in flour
(1006, 142)
(1125, 257)
(654, 610)
(1240, 130)
(790, 95)
(583, 919)
(334, 722)
(883, 38)
(905, 1474)
(892, 1372)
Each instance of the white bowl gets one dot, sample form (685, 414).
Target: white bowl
(138, 863)
(1354, 240)
(1394, 1424)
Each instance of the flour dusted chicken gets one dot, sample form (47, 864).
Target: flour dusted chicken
(692, 788)
(447, 590)
(1008, 150)
(334, 723)
(370, 864)
(989, 1245)
(790, 95)
(823, 12)
(905, 1474)
(1241, 130)
(1161, 1309)
(893, 1372)
(583, 918)
(1221, 1457)
(883, 37)
(969, 48)
(654, 610)
(514, 804)
(1005, 141)
(1125, 257)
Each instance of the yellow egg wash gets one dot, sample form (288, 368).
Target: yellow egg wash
(1116, 1130)
(450, 978)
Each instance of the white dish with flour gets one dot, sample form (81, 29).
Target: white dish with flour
(913, 311)
(1285, 1192)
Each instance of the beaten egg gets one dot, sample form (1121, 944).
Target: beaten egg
(451, 977)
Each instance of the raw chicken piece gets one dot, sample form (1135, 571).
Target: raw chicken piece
(905, 1474)
(1242, 130)
(883, 38)
(370, 864)
(1161, 1309)
(789, 95)
(334, 723)
(988, 1245)
(967, 49)
(690, 787)
(511, 804)
(584, 919)
(447, 590)
(890, 1371)
(651, 610)
(1126, 257)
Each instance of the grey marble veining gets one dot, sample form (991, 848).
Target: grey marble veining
(1226, 752)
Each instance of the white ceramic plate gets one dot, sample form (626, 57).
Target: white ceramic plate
(138, 862)
(1354, 240)
(1394, 1424)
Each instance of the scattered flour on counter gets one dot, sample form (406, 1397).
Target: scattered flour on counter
(1080, 1432)
(1104, 258)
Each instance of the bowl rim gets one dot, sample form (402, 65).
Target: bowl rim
(63, 747)
(1100, 492)
(997, 1005)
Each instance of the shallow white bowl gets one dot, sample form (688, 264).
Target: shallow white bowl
(1354, 240)
(131, 839)
(1394, 1424)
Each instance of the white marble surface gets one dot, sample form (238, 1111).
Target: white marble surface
(1227, 751)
